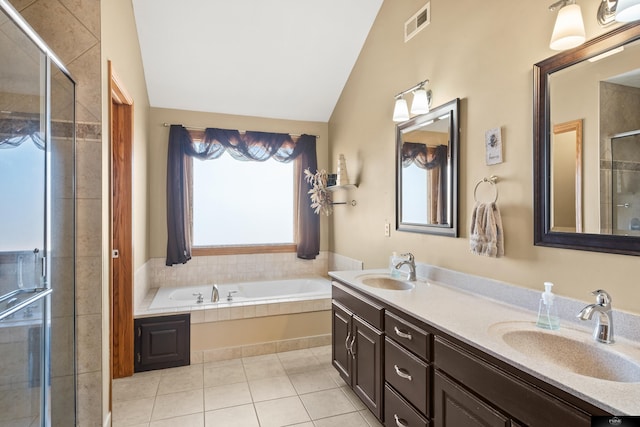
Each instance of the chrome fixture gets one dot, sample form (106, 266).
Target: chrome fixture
(215, 295)
(604, 326)
(568, 31)
(420, 105)
(230, 295)
(199, 298)
(410, 261)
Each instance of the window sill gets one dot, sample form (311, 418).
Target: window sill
(243, 250)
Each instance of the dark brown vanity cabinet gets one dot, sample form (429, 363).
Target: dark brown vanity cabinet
(407, 373)
(469, 390)
(357, 345)
(428, 378)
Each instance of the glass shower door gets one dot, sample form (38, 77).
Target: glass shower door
(37, 231)
(625, 180)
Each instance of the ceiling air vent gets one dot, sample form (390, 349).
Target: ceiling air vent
(417, 22)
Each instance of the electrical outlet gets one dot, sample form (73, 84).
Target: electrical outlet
(387, 229)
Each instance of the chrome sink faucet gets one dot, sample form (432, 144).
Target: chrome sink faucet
(604, 326)
(215, 294)
(410, 261)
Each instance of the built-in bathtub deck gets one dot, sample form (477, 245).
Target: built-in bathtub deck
(227, 330)
(223, 310)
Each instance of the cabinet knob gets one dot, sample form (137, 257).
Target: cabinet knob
(402, 334)
(402, 373)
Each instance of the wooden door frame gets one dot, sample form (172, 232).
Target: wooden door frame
(120, 227)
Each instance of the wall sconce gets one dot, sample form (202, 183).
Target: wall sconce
(568, 31)
(420, 105)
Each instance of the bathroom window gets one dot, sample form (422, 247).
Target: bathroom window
(253, 205)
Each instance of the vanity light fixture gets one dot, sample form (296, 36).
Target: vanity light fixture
(627, 10)
(420, 105)
(568, 31)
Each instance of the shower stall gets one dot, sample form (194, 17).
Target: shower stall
(625, 182)
(37, 230)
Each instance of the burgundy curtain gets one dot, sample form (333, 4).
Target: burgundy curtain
(248, 146)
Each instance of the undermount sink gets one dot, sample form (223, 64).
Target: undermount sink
(384, 281)
(573, 350)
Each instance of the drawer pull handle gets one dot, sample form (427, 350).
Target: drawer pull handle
(346, 342)
(402, 334)
(353, 341)
(402, 373)
(399, 421)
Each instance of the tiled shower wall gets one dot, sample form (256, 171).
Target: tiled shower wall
(72, 29)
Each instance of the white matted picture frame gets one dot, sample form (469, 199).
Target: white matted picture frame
(493, 146)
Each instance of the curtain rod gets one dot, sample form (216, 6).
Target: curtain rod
(165, 124)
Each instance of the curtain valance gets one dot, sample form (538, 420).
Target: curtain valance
(247, 146)
(423, 156)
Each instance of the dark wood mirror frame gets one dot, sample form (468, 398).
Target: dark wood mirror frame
(450, 229)
(543, 236)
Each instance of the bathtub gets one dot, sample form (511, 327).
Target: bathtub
(243, 293)
(262, 317)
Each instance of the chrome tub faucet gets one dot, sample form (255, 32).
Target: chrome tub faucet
(410, 261)
(215, 294)
(603, 331)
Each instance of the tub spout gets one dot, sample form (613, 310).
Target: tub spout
(215, 295)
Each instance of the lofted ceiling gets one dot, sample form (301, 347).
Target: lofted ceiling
(287, 59)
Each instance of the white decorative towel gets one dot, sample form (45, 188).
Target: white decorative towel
(487, 236)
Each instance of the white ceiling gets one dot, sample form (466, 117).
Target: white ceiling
(285, 59)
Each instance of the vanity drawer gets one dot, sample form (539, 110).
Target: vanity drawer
(523, 401)
(408, 375)
(398, 413)
(408, 335)
(365, 309)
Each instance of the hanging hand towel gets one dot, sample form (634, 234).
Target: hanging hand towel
(486, 236)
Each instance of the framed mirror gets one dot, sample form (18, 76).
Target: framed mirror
(590, 202)
(427, 149)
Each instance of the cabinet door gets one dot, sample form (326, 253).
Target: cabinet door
(341, 339)
(457, 407)
(162, 342)
(367, 369)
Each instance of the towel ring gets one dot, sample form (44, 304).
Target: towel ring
(491, 180)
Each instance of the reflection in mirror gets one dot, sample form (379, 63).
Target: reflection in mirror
(599, 84)
(426, 172)
(566, 177)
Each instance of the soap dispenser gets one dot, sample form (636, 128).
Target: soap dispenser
(547, 310)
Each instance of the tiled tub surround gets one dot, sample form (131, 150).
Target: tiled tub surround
(472, 308)
(231, 330)
(223, 269)
(227, 330)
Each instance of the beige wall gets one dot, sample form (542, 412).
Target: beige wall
(157, 160)
(120, 46)
(483, 53)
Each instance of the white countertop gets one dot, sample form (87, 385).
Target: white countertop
(480, 321)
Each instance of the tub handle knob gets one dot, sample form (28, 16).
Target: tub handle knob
(230, 295)
(199, 295)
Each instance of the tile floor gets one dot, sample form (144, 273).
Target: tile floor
(295, 388)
